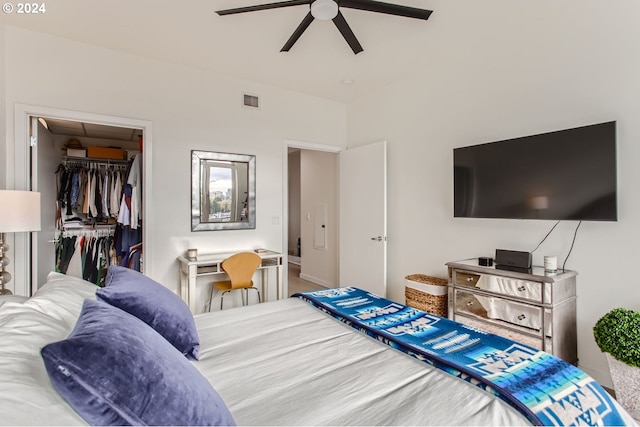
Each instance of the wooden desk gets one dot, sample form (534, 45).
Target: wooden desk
(210, 265)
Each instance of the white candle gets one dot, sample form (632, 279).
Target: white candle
(550, 263)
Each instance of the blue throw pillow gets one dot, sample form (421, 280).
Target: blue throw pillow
(154, 304)
(115, 370)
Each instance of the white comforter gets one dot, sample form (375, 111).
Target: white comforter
(286, 363)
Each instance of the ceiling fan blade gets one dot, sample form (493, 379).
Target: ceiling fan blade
(298, 32)
(388, 8)
(346, 32)
(263, 7)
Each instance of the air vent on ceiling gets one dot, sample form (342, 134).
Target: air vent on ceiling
(250, 101)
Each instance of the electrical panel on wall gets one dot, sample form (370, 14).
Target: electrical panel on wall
(320, 227)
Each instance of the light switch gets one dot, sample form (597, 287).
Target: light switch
(275, 220)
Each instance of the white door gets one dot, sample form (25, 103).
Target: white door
(44, 161)
(363, 217)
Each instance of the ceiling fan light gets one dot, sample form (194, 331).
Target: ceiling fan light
(324, 10)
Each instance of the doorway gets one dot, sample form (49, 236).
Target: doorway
(35, 175)
(77, 149)
(360, 226)
(311, 212)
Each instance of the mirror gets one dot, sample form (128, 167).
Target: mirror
(223, 191)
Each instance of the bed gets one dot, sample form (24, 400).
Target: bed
(279, 363)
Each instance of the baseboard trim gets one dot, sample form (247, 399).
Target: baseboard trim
(317, 281)
(294, 260)
(603, 378)
(610, 391)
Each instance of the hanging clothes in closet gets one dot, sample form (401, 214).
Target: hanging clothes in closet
(128, 236)
(89, 192)
(88, 205)
(85, 253)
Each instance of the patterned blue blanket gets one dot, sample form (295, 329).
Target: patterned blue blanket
(546, 389)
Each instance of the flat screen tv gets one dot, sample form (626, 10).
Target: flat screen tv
(564, 175)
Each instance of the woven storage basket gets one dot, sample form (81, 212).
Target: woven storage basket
(427, 293)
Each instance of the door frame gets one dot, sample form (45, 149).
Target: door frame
(20, 171)
(303, 145)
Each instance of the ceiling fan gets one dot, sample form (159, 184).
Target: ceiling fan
(326, 10)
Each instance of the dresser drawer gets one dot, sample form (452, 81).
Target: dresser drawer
(524, 289)
(466, 279)
(468, 303)
(515, 313)
(531, 341)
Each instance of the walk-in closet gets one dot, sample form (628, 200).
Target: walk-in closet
(90, 179)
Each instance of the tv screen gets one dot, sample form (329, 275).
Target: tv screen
(568, 174)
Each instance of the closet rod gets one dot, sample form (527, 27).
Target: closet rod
(97, 232)
(95, 161)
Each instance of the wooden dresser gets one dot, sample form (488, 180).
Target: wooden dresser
(536, 308)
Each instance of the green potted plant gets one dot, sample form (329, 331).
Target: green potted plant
(617, 333)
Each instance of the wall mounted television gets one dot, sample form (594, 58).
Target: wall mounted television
(563, 175)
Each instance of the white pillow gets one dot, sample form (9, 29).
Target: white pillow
(62, 297)
(26, 327)
(11, 298)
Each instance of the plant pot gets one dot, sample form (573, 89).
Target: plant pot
(626, 382)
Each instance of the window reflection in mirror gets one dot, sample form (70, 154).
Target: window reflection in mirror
(223, 191)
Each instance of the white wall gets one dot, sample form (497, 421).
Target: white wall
(189, 110)
(319, 187)
(576, 67)
(3, 114)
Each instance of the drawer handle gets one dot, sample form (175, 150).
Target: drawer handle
(522, 288)
(469, 279)
(469, 304)
(522, 317)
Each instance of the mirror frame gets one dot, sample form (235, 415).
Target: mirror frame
(197, 187)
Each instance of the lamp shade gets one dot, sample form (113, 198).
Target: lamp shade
(19, 211)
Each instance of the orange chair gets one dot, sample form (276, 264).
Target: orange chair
(240, 268)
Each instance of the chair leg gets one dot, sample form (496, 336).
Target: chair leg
(211, 297)
(244, 296)
(222, 298)
(256, 289)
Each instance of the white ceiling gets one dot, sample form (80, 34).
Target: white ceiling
(91, 130)
(247, 46)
